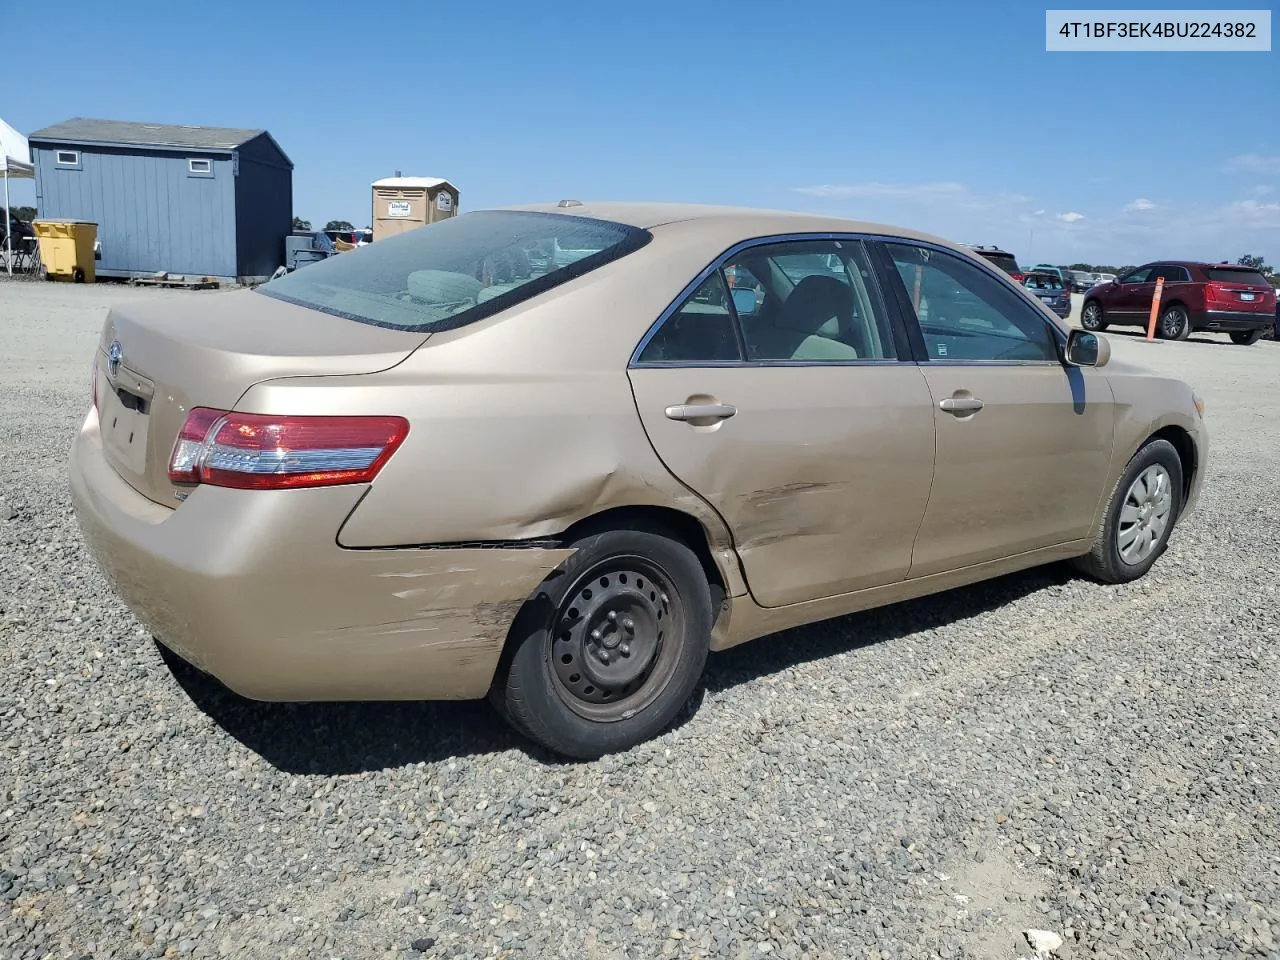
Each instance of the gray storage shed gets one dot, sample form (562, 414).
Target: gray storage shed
(195, 201)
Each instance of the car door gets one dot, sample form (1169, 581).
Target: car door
(1131, 301)
(790, 404)
(1023, 442)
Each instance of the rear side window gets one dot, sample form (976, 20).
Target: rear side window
(457, 271)
(1251, 277)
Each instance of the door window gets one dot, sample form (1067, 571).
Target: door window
(701, 331)
(810, 301)
(1170, 274)
(967, 314)
(1141, 275)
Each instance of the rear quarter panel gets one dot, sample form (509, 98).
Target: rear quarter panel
(523, 423)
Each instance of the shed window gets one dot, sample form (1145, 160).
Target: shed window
(199, 166)
(69, 158)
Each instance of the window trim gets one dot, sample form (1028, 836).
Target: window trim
(73, 164)
(907, 314)
(900, 339)
(206, 173)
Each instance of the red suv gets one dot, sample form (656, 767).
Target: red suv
(1218, 297)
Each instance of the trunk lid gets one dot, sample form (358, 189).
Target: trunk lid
(1239, 289)
(175, 354)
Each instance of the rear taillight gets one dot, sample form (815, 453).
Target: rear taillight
(1214, 293)
(1020, 277)
(252, 451)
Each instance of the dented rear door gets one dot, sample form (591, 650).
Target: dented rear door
(822, 472)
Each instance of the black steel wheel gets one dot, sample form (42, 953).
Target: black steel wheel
(609, 654)
(610, 646)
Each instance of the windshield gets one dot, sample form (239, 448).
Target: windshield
(1251, 277)
(459, 270)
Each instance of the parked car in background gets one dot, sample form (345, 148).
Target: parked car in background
(1081, 280)
(1063, 275)
(373, 480)
(1049, 289)
(1103, 277)
(1216, 297)
(1003, 259)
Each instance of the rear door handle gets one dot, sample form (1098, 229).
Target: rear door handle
(701, 411)
(959, 406)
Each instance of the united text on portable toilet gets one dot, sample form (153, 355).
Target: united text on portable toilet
(402, 203)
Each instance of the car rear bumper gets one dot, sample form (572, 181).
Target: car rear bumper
(252, 587)
(1230, 320)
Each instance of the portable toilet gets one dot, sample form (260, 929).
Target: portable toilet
(402, 203)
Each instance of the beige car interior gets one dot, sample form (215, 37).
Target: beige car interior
(826, 316)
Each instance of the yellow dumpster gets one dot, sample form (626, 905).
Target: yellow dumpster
(66, 248)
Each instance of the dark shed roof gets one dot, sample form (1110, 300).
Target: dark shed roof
(156, 135)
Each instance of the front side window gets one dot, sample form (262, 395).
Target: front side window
(457, 271)
(966, 314)
(1141, 275)
(814, 301)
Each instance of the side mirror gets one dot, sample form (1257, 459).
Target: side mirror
(744, 301)
(1085, 349)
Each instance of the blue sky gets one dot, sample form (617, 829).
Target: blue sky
(946, 117)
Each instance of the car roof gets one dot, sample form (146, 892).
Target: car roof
(725, 220)
(1203, 265)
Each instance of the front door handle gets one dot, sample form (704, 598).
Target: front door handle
(960, 406)
(691, 412)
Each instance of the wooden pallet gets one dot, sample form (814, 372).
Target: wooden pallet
(183, 283)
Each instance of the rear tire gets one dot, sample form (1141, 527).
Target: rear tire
(1092, 318)
(1174, 324)
(609, 647)
(1246, 338)
(1147, 497)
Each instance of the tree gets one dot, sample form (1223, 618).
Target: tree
(338, 225)
(1259, 264)
(300, 224)
(21, 213)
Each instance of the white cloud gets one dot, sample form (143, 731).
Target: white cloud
(918, 191)
(1070, 216)
(1039, 213)
(1139, 205)
(1253, 163)
(1251, 212)
(1261, 190)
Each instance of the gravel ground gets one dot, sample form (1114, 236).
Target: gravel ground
(928, 780)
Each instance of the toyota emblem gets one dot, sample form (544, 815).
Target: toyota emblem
(115, 354)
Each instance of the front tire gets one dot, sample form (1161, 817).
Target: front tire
(1174, 324)
(1139, 518)
(1246, 338)
(610, 646)
(1091, 317)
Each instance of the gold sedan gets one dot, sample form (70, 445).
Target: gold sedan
(555, 454)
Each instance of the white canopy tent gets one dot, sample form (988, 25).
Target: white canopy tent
(15, 161)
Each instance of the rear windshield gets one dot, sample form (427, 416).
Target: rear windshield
(1005, 261)
(457, 271)
(1044, 281)
(1251, 277)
